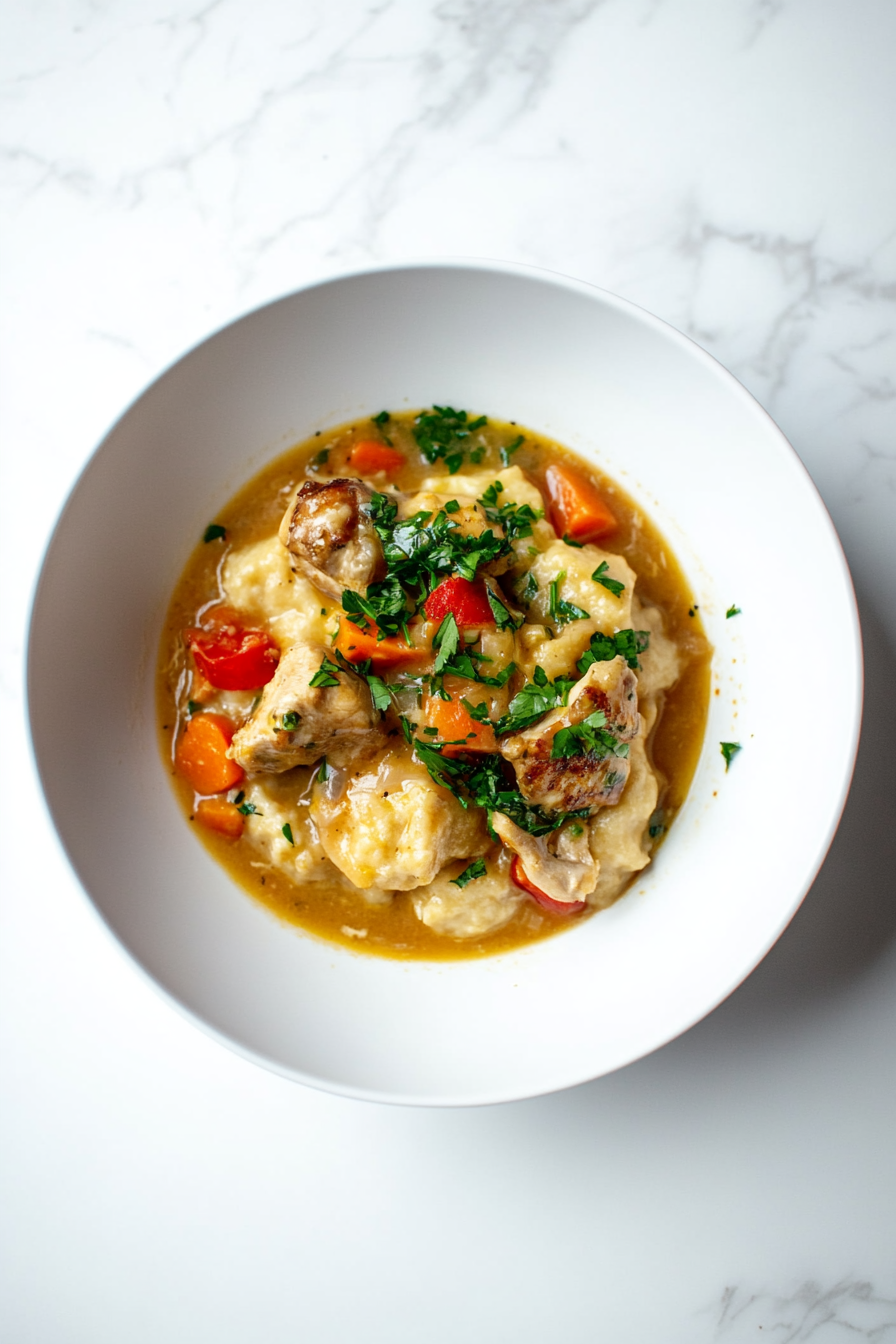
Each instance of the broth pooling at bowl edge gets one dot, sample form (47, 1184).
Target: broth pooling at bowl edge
(432, 686)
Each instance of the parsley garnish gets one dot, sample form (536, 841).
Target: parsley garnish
(379, 693)
(562, 612)
(503, 618)
(509, 449)
(479, 713)
(535, 700)
(442, 429)
(729, 751)
(287, 831)
(515, 519)
(732, 611)
(323, 770)
(326, 675)
(249, 810)
(571, 542)
(481, 780)
(452, 506)
(290, 721)
(419, 549)
(381, 419)
(446, 640)
(319, 459)
(588, 737)
(657, 824)
(213, 532)
(469, 874)
(601, 576)
(193, 707)
(531, 587)
(604, 648)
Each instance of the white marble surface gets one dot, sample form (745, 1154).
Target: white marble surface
(729, 165)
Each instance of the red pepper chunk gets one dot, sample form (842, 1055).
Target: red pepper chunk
(233, 658)
(468, 603)
(518, 876)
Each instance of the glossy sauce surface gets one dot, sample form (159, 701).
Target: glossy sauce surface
(333, 911)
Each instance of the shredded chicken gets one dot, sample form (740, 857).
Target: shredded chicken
(588, 780)
(330, 537)
(559, 864)
(338, 722)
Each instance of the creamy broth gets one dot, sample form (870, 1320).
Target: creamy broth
(323, 901)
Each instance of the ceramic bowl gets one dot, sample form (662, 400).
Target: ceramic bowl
(688, 443)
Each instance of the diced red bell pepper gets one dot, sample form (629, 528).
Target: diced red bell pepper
(466, 600)
(517, 875)
(233, 658)
(577, 508)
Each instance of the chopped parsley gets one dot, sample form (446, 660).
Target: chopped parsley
(287, 831)
(478, 713)
(732, 611)
(446, 640)
(381, 419)
(443, 432)
(515, 519)
(323, 770)
(214, 532)
(249, 810)
(571, 542)
(469, 874)
(601, 576)
(657, 824)
(290, 721)
(604, 648)
(503, 618)
(326, 675)
(562, 612)
(535, 700)
(420, 549)
(530, 587)
(379, 693)
(590, 737)
(319, 459)
(729, 751)
(452, 506)
(509, 449)
(193, 707)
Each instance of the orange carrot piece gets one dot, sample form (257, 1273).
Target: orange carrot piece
(577, 508)
(357, 645)
(453, 722)
(201, 754)
(370, 456)
(216, 814)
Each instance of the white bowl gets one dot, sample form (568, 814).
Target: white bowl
(716, 475)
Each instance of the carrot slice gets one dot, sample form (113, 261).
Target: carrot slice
(201, 754)
(370, 456)
(216, 814)
(453, 722)
(357, 645)
(577, 508)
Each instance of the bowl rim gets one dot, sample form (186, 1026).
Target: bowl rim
(849, 726)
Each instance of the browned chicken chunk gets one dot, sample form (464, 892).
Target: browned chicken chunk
(559, 864)
(297, 723)
(330, 538)
(591, 779)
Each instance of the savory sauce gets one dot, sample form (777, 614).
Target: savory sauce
(334, 910)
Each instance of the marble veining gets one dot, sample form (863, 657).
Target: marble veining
(849, 1308)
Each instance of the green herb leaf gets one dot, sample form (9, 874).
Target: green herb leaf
(732, 611)
(323, 770)
(249, 810)
(381, 419)
(604, 648)
(571, 542)
(326, 675)
(446, 640)
(319, 459)
(442, 430)
(601, 576)
(479, 713)
(214, 532)
(503, 618)
(193, 707)
(379, 693)
(590, 737)
(469, 874)
(509, 449)
(239, 797)
(287, 831)
(562, 612)
(657, 824)
(290, 721)
(729, 751)
(534, 700)
(452, 506)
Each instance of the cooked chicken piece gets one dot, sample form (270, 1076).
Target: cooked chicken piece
(338, 722)
(589, 780)
(559, 864)
(330, 538)
(390, 826)
(620, 836)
